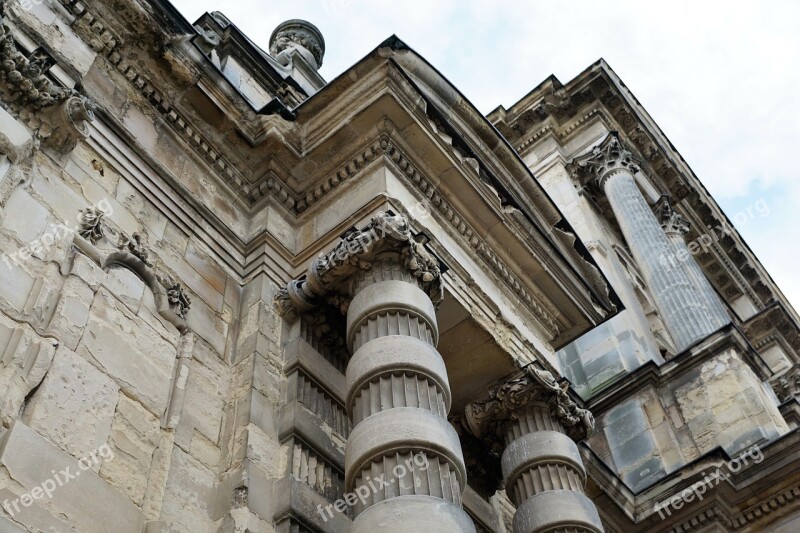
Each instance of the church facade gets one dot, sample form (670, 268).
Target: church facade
(237, 297)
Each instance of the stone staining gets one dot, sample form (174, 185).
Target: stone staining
(402, 452)
(533, 421)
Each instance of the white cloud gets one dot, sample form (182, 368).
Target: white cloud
(719, 77)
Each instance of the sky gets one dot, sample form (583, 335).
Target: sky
(719, 77)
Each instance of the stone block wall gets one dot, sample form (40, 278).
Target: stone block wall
(719, 403)
(88, 363)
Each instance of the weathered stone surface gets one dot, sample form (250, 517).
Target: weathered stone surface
(72, 312)
(74, 405)
(135, 435)
(15, 139)
(130, 351)
(31, 459)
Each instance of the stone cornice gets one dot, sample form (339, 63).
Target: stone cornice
(723, 503)
(328, 277)
(651, 374)
(488, 419)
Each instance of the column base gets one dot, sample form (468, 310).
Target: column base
(421, 514)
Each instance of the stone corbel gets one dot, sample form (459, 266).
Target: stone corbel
(59, 115)
(328, 278)
(68, 123)
(488, 419)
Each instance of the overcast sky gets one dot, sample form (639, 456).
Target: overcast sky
(719, 77)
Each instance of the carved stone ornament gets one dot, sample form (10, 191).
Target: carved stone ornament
(136, 248)
(507, 402)
(328, 277)
(672, 222)
(91, 227)
(301, 36)
(63, 113)
(787, 385)
(171, 301)
(177, 297)
(604, 160)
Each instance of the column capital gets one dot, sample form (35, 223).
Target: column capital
(672, 222)
(604, 160)
(329, 277)
(507, 402)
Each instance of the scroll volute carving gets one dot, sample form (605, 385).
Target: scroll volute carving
(488, 419)
(328, 278)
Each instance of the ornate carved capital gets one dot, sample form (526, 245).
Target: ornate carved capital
(672, 222)
(328, 277)
(604, 160)
(787, 385)
(489, 419)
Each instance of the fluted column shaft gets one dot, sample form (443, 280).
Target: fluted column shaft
(683, 309)
(403, 457)
(545, 477)
(714, 306)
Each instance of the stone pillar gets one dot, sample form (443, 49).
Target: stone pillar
(534, 421)
(403, 459)
(398, 397)
(686, 311)
(676, 228)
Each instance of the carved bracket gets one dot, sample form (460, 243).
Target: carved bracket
(62, 115)
(328, 278)
(488, 419)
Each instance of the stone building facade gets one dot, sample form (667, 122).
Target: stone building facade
(237, 297)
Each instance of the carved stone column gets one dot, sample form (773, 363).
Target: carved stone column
(403, 458)
(676, 227)
(686, 312)
(533, 419)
